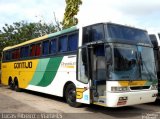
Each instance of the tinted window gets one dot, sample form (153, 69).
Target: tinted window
(97, 32)
(38, 49)
(100, 50)
(86, 34)
(73, 42)
(7, 55)
(53, 46)
(13, 55)
(93, 33)
(33, 50)
(45, 47)
(16, 54)
(63, 44)
(4, 55)
(126, 33)
(24, 52)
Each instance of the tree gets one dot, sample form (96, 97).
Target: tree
(72, 8)
(57, 23)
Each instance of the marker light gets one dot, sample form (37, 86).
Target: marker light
(154, 87)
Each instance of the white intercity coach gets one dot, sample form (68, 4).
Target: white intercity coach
(105, 64)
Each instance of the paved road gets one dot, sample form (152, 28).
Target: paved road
(33, 102)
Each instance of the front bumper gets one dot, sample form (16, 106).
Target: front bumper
(130, 98)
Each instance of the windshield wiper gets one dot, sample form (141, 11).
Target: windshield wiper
(133, 74)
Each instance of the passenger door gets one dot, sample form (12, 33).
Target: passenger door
(83, 84)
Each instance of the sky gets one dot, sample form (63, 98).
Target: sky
(143, 14)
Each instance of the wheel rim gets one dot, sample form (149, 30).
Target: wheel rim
(72, 95)
(10, 84)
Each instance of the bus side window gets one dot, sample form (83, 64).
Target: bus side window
(86, 35)
(53, 45)
(32, 50)
(97, 32)
(8, 55)
(4, 56)
(24, 52)
(13, 54)
(93, 33)
(16, 54)
(73, 42)
(38, 49)
(62, 44)
(45, 48)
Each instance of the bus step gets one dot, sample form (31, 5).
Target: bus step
(99, 103)
(102, 99)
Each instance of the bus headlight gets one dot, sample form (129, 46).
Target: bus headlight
(154, 87)
(119, 89)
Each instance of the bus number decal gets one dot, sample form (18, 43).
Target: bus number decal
(79, 92)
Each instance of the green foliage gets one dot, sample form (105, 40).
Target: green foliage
(22, 31)
(72, 8)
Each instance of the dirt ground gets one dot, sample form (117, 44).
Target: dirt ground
(33, 102)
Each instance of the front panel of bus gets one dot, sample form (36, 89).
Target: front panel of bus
(122, 66)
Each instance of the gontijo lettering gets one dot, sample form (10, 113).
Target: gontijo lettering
(22, 65)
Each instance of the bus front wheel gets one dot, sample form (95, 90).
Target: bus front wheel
(70, 95)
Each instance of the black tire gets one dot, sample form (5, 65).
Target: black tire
(11, 85)
(16, 87)
(70, 95)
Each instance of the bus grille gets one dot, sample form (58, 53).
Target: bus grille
(139, 87)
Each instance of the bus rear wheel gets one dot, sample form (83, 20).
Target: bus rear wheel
(16, 86)
(70, 95)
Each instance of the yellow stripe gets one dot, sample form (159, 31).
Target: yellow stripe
(27, 42)
(132, 83)
(69, 66)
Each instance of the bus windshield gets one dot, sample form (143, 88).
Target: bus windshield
(123, 33)
(147, 65)
(125, 64)
(124, 59)
(132, 63)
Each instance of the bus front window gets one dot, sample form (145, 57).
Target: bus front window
(125, 66)
(147, 65)
(133, 63)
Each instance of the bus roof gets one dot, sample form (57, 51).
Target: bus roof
(41, 38)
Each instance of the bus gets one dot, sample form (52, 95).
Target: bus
(156, 48)
(105, 64)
